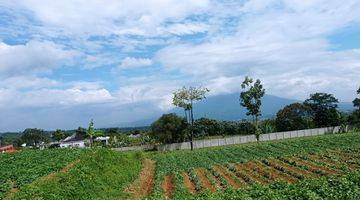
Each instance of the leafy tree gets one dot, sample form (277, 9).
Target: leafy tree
(356, 101)
(250, 98)
(295, 116)
(185, 98)
(34, 136)
(267, 126)
(111, 132)
(323, 109)
(169, 128)
(58, 135)
(92, 133)
(80, 133)
(205, 126)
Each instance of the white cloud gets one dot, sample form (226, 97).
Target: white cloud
(130, 63)
(31, 58)
(140, 17)
(279, 42)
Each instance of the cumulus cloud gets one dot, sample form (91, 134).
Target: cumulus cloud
(61, 62)
(32, 57)
(282, 43)
(96, 17)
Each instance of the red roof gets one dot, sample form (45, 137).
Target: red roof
(7, 149)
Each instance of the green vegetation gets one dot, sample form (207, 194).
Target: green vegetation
(312, 167)
(185, 159)
(178, 162)
(170, 128)
(26, 166)
(100, 174)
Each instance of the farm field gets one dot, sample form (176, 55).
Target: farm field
(319, 167)
(24, 167)
(313, 167)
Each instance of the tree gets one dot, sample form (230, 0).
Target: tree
(80, 133)
(34, 136)
(185, 98)
(169, 128)
(207, 127)
(356, 101)
(58, 135)
(295, 116)
(323, 109)
(250, 98)
(91, 131)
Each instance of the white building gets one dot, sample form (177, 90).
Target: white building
(72, 142)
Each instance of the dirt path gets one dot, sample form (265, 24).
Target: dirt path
(144, 184)
(168, 186)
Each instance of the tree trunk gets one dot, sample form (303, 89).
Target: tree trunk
(186, 117)
(192, 126)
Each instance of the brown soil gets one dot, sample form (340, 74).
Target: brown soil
(200, 172)
(168, 186)
(242, 168)
(293, 169)
(228, 177)
(316, 166)
(144, 184)
(275, 174)
(257, 169)
(336, 164)
(188, 184)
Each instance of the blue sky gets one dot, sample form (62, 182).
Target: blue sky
(64, 62)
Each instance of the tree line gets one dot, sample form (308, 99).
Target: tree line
(319, 110)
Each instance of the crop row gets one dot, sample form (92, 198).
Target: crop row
(184, 160)
(312, 152)
(290, 169)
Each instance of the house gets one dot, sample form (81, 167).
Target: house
(72, 142)
(7, 149)
(104, 140)
(135, 135)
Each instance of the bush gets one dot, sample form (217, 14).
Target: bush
(207, 127)
(169, 128)
(295, 116)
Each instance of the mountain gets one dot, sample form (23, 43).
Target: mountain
(227, 107)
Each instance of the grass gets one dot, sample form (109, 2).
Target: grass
(100, 174)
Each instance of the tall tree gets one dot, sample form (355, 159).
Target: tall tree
(91, 131)
(323, 108)
(169, 128)
(293, 117)
(185, 98)
(250, 98)
(58, 135)
(34, 136)
(80, 133)
(356, 101)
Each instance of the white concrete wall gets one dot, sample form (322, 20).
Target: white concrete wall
(236, 139)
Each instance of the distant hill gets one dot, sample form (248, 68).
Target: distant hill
(227, 107)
